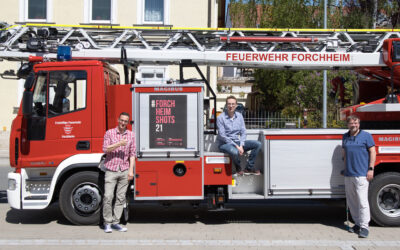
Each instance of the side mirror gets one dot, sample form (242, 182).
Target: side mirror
(29, 81)
(24, 70)
(27, 101)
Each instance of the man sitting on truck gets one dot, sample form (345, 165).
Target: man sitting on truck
(119, 146)
(359, 157)
(232, 138)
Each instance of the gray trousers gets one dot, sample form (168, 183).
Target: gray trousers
(357, 199)
(112, 179)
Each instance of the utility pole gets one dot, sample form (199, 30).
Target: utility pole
(324, 88)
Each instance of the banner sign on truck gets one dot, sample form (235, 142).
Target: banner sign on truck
(168, 121)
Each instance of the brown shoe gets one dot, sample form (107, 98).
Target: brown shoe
(257, 172)
(238, 173)
(252, 172)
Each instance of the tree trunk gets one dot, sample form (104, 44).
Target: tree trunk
(374, 14)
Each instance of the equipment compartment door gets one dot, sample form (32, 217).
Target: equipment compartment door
(175, 179)
(146, 184)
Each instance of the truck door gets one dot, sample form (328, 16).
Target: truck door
(61, 120)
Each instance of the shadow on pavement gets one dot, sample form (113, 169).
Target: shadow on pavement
(44, 216)
(280, 212)
(272, 212)
(3, 196)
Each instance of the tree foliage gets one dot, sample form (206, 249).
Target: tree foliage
(391, 11)
(310, 13)
(292, 92)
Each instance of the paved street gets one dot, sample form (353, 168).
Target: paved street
(271, 225)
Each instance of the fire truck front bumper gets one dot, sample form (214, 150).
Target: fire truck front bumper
(14, 190)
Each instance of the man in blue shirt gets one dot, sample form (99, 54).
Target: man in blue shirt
(359, 156)
(232, 138)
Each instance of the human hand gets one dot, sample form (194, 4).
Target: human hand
(130, 175)
(123, 142)
(241, 150)
(370, 175)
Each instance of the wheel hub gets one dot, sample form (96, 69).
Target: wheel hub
(389, 200)
(86, 198)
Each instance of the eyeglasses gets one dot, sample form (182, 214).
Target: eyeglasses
(231, 104)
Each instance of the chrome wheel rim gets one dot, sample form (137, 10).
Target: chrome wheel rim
(86, 198)
(389, 200)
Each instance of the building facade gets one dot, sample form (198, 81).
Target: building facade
(175, 13)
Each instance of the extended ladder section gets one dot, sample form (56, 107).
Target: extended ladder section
(268, 48)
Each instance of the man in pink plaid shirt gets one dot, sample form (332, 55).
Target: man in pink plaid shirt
(119, 146)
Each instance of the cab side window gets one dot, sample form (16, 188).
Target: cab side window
(40, 96)
(67, 92)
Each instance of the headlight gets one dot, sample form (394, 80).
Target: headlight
(12, 184)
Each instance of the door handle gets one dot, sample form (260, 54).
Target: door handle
(83, 145)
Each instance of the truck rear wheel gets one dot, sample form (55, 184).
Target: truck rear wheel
(384, 199)
(80, 198)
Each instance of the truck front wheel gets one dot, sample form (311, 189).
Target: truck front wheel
(80, 198)
(384, 199)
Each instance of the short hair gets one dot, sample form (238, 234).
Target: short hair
(231, 97)
(352, 118)
(124, 113)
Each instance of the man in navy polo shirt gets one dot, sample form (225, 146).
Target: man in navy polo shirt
(359, 156)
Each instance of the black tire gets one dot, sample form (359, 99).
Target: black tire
(384, 199)
(80, 198)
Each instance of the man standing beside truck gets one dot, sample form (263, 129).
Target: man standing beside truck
(232, 138)
(359, 157)
(119, 146)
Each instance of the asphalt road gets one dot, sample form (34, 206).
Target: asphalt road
(266, 225)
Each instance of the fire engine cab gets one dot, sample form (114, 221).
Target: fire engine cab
(73, 95)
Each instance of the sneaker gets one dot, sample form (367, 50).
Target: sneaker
(355, 229)
(252, 172)
(363, 233)
(248, 172)
(119, 228)
(257, 172)
(107, 228)
(238, 173)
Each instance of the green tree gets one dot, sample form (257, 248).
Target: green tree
(291, 92)
(243, 13)
(391, 9)
(289, 14)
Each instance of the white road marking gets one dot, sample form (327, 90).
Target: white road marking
(345, 245)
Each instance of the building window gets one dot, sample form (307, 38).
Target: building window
(100, 11)
(35, 10)
(153, 11)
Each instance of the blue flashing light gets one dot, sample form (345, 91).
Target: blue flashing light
(64, 53)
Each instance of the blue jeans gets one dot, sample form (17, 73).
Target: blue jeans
(233, 152)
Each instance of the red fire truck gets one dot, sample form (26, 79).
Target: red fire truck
(70, 100)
